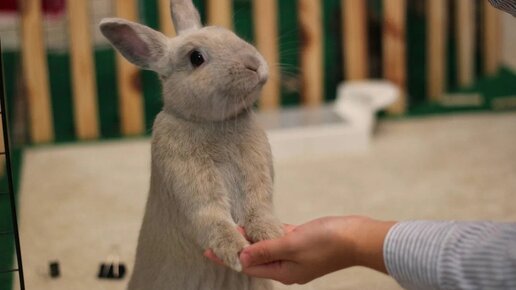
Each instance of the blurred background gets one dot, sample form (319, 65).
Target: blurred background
(80, 117)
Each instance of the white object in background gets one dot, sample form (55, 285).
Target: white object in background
(343, 126)
(358, 101)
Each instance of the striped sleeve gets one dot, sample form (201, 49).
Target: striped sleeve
(452, 255)
(508, 6)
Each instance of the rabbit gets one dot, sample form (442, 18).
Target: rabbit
(211, 165)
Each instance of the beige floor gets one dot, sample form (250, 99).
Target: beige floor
(80, 203)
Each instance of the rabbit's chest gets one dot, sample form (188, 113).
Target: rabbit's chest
(231, 172)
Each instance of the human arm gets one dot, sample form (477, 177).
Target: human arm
(418, 254)
(452, 255)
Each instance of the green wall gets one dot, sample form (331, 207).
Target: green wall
(289, 42)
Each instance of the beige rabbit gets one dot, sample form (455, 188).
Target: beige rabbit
(211, 161)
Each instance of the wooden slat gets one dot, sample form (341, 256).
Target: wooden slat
(394, 49)
(265, 14)
(465, 35)
(130, 95)
(436, 44)
(83, 73)
(165, 20)
(491, 39)
(35, 71)
(355, 39)
(312, 75)
(220, 13)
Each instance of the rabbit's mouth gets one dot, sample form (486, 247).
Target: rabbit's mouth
(258, 85)
(255, 81)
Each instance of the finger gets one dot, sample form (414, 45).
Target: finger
(264, 252)
(210, 255)
(274, 270)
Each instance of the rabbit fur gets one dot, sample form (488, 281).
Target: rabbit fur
(211, 167)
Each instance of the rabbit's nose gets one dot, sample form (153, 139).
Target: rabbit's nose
(251, 62)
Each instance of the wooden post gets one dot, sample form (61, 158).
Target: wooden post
(491, 39)
(220, 13)
(312, 76)
(355, 39)
(35, 72)
(394, 49)
(131, 100)
(84, 84)
(265, 14)
(465, 34)
(165, 19)
(436, 44)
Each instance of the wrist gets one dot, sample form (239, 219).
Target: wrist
(367, 238)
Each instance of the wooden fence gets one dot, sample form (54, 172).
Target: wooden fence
(265, 17)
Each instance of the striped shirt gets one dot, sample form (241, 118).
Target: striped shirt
(508, 6)
(452, 255)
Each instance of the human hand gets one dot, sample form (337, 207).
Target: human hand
(317, 248)
(305, 252)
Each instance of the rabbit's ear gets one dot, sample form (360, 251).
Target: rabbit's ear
(185, 15)
(139, 44)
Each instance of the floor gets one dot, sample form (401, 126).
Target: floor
(82, 203)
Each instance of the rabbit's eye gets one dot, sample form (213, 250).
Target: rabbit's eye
(196, 58)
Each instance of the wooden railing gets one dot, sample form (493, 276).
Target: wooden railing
(265, 14)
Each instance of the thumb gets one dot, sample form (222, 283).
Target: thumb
(263, 252)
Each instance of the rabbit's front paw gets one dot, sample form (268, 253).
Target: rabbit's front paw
(228, 248)
(260, 229)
